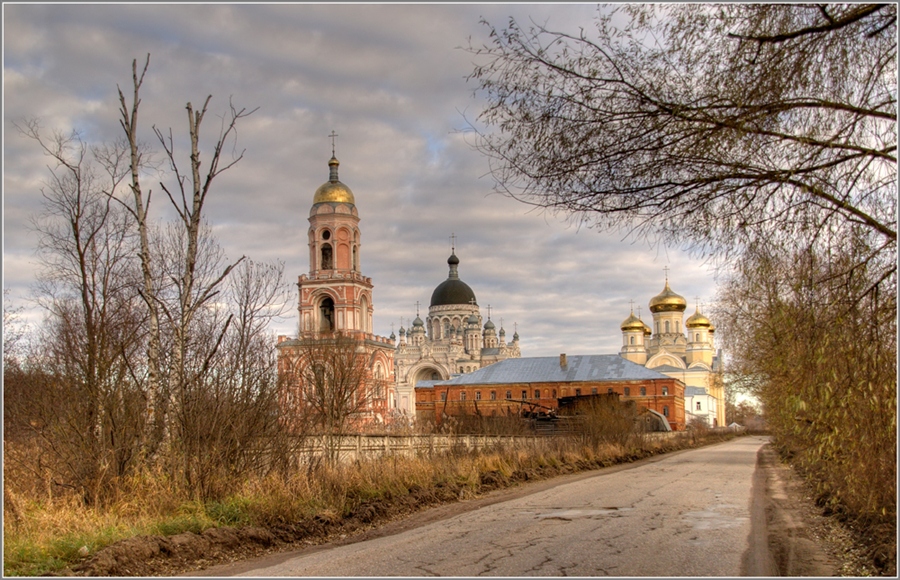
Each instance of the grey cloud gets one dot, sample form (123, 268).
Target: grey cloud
(390, 79)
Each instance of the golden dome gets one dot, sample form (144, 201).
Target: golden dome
(647, 330)
(667, 301)
(632, 323)
(711, 328)
(697, 320)
(333, 191)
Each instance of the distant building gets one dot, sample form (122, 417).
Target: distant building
(679, 349)
(531, 383)
(450, 341)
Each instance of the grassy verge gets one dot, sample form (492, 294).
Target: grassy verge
(53, 533)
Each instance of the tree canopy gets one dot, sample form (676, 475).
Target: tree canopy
(704, 125)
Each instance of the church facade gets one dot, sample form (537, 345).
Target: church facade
(681, 349)
(450, 341)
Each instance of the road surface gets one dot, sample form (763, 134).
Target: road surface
(683, 514)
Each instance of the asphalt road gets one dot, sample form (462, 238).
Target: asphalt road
(685, 514)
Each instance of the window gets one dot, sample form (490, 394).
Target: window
(698, 406)
(593, 391)
(537, 393)
(577, 392)
(477, 395)
(327, 263)
(554, 393)
(493, 395)
(609, 391)
(667, 326)
(462, 395)
(643, 391)
(509, 394)
(627, 391)
(665, 390)
(524, 395)
(665, 410)
(444, 396)
(697, 337)
(632, 340)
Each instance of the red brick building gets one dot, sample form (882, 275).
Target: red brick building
(535, 383)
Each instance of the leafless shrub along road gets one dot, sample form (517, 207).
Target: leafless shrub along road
(684, 514)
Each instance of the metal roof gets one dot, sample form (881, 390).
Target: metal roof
(579, 368)
(694, 391)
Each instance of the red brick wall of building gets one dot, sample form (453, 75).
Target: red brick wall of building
(665, 396)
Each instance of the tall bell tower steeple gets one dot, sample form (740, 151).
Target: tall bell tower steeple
(334, 295)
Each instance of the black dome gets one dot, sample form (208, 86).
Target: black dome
(452, 292)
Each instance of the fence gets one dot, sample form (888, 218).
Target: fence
(354, 447)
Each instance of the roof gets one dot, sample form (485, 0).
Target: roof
(694, 391)
(579, 368)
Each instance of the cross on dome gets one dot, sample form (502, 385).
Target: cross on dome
(333, 136)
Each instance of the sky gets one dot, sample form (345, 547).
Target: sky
(390, 80)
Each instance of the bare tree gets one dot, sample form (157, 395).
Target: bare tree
(329, 385)
(92, 338)
(701, 123)
(139, 207)
(192, 282)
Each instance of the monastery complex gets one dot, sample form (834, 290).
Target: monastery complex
(457, 362)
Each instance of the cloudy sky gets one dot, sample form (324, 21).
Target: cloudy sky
(391, 81)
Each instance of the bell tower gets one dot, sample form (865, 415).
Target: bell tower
(334, 295)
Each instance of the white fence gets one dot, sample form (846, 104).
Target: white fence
(355, 447)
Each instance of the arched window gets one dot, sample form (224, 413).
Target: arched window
(462, 395)
(643, 391)
(667, 326)
(665, 390)
(537, 393)
(326, 315)
(627, 391)
(355, 258)
(327, 262)
(632, 340)
(665, 410)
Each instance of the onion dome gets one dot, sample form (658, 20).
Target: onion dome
(632, 323)
(667, 301)
(453, 290)
(502, 332)
(697, 320)
(333, 191)
(647, 330)
(417, 323)
(402, 331)
(393, 336)
(515, 337)
(489, 325)
(472, 320)
(711, 328)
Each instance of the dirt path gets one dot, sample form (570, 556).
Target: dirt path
(791, 537)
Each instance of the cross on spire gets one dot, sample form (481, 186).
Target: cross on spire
(666, 269)
(452, 243)
(333, 136)
(417, 308)
(632, 305)
(489, 311)
(639, 311)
